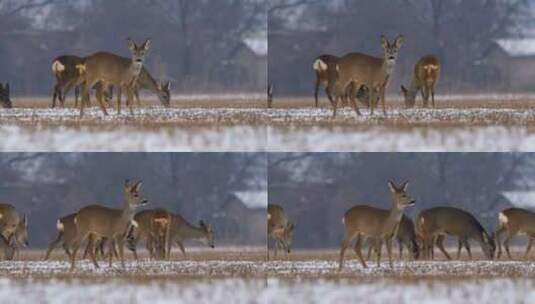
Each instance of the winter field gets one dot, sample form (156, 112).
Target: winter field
(242, 275)
(242, 123)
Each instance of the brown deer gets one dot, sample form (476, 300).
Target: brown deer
(424, 79)
(68, 71)
(354, 70)
(406, 237)
(279, 229)
(321, 68)
(108, 223)
(512, 222)
(13, 228)
(67, 233)
(434, 224)
(5, 99)
(111, 69)
(381, 225)
(161, 229)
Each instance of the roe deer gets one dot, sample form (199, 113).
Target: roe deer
(68, 71)
(153, 224)
(146, 82)
(357, 69)
(379, 224)
(111, 69)
(67, 233)
(434, 224)
(108, 223)
(321, 67)
(406, 237)
(279, 229)
(424, 79)
(4, 96)
(515, 221)
(13, 228)
(270, 96)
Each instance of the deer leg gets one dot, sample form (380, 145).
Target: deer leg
(530, 243)
(370, 247)
(506, 245)
(358, 251)
(467, 247)
(383, 100)
(389, 251)
(91, 249)
(136, 95)
(378, 249)
(498, 242)
(440, 244)
(345, 243)
(316, 89)
(100, 93)
(353, 93)
(130, 94)
(55, 95)
(75, 246)
(459, 248)
(183, 250)
(400, 244)
(120, 243)
(433, 96)
(371, 99)
(53, 245)
(67, 250)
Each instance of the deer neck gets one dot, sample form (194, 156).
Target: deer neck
(387, 69)
(392, 221)
(127, 214)
(413, 89)
(149, 83)
(135, 68)
(188, 231)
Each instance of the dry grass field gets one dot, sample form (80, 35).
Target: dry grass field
(242, 123)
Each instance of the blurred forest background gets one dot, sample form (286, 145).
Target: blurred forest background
(317, 189)
(483, 44)
(201, 46)
(227, 190)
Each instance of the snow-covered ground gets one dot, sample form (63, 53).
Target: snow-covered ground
(411, 292)
(238, 128)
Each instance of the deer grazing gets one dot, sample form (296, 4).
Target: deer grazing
(354, 70)
(161, 229)
(145, 81)
(108, 223)
(512, 222)
(424, 79)
(432, 225)
(279, 229)
(381, 225)
(68, 75)
(321, 68)
(111, 69)
(406, 237)
(13, 228)
(5, 99)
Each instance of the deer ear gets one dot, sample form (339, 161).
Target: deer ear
(291, 227)
(146, 44)
(399, 41)
(392, 186)
(137, 186)
(131, 44)
(403, 89)
(404, 186)
(384, 42)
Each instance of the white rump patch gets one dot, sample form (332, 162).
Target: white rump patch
(75, 220)
(1, 216)
(319, 65)
(57, 67)
(269, 216)
(344, 220)
(60, 226)
(134, 223)
(502, 218)
(81, 68)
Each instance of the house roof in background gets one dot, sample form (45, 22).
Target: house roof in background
(518, 47)
(253, 199)
(521, 199)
